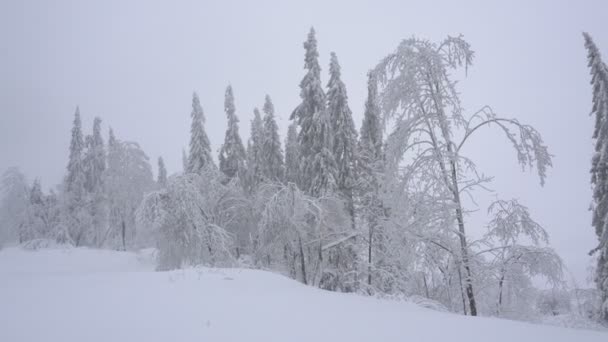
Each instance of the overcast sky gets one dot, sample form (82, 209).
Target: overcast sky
(136, 63)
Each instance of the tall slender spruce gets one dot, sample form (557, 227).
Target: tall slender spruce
(232, 153)
(200, 148)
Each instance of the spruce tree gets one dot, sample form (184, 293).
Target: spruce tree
(317, 165)
(200, 148)
(184, 161)
(77, 219)
(94, 167)
(292, 154)
(344, 136)
(74, 181)
(254, 151)
(599, 167)
(162, 173)
(272, 153)
(232, 153)
(369, 167)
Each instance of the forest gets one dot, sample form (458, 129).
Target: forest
(379, 211)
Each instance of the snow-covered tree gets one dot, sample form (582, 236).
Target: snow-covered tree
(200, 148)
(599, 167)
(128, 178)
(75, 179)
(424, 150)
(518, 250)
(369, 171)
(14, 199)
(317, 167)
(297, 234)
(184, 161)
(272, 154)
(94, 165)
(77, 218)
(232, 153)
(162, 173)
(186, 220)
(292, 154)
(43, 220)
(344, 135)
(254, 152)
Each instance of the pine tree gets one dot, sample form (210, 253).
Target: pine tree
(292, 154)
(369, 167)
(599, 166)
(272, 153)
(254, 151)
(200, 148)
(317, 165)
(162, 173)
(344, 135)
(232, 153)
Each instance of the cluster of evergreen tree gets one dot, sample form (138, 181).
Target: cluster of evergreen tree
(335, 208)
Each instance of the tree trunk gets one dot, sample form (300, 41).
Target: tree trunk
(500, 282)
(123, 234)
(302, 261)
(463, 241)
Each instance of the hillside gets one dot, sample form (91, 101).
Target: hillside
(92, 295)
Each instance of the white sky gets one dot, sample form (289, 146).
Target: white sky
(136, 64)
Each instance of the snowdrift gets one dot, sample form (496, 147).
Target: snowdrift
(77, 294)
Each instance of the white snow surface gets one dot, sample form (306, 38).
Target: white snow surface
(79, 294)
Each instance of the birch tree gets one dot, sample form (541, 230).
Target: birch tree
(420, 100)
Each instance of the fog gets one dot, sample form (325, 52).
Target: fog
(135, 64)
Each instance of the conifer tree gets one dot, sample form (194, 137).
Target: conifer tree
(74, 181)
(232, 153)
(94, 166)
(200, 148)
(317, 165)
(272, 153)
(254, 151)
(344, 136)
(369, 169)
(162, 173)
(292, 154)
(599, 167)
(184, 161)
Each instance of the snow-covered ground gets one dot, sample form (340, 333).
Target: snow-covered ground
(91, 295)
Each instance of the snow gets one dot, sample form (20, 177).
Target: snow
(78, 294)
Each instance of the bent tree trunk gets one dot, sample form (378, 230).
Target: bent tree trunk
(463, 243)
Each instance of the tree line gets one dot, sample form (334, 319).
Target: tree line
(378, 211)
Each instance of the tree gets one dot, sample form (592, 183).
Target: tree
(94, 165)
(272, 154)
(185, 220)
(254, 152)
(232, 153)
(184, 161)
(76, 218)
(420, 97)
(317, 167)
(74, 182)
(292, 154)
(297, 234)
(200, 148)
(344, 136)
(369, 170)
(513, 263)
(128, 178)
(162, 173)
(599, 167)
(13, 203)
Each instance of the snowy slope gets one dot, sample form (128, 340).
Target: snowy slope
(91, 295)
